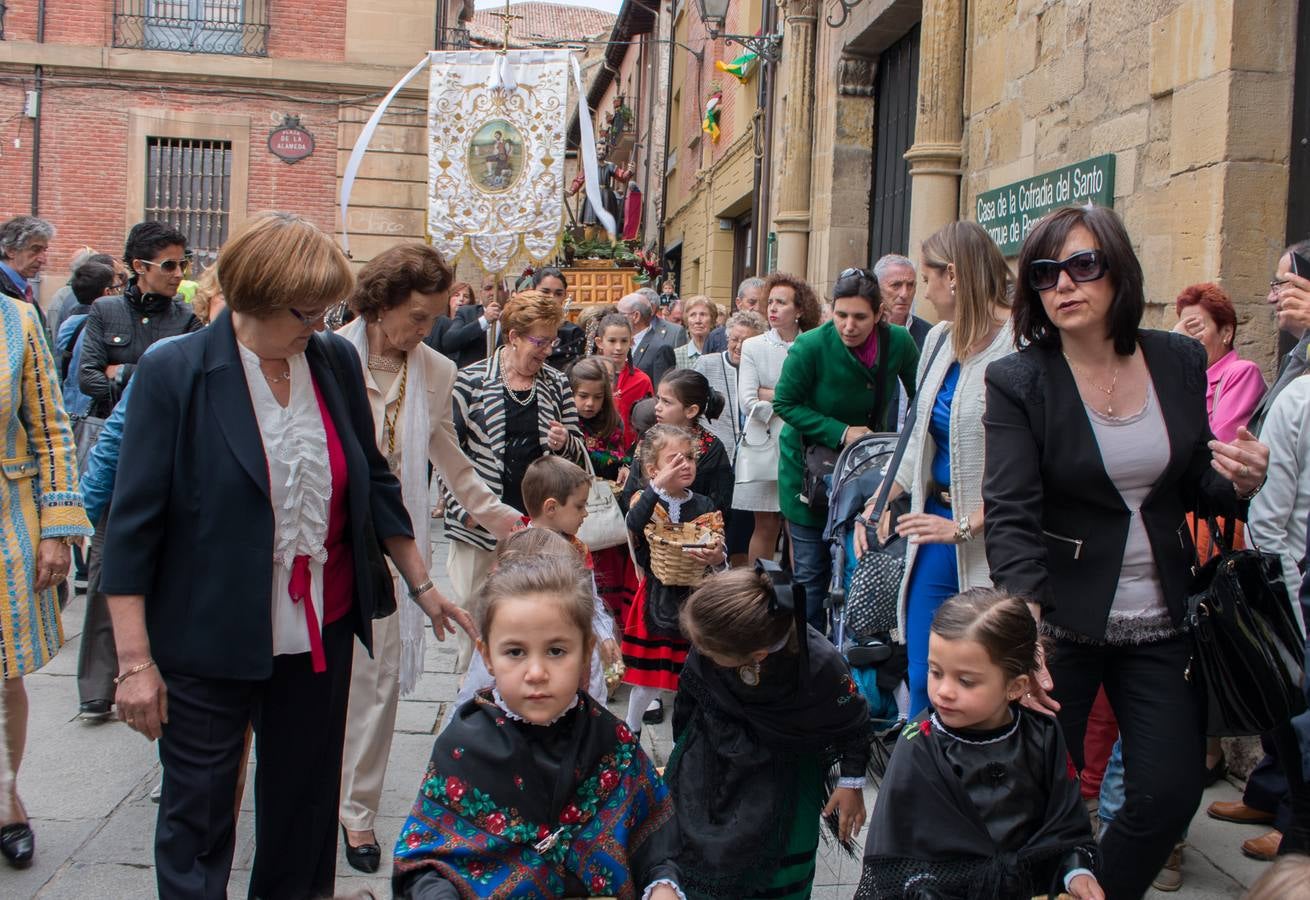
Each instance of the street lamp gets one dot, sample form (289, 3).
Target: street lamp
(713, 13)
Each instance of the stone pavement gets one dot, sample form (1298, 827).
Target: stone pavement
(87, 789)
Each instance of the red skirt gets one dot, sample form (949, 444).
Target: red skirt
(616, 580)
(651, 661)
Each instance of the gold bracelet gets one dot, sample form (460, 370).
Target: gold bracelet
(132, 671)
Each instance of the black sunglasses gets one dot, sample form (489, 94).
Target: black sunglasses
(848, 273)
(1086, 265)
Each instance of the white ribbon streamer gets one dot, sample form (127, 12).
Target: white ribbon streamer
(361, 145)
(589, 164)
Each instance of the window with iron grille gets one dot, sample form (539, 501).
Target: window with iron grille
(234, 27)
(188, 185)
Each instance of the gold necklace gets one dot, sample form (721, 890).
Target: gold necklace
(1108, 391)
(392, 414)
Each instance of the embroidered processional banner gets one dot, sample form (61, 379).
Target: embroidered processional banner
(496, 127)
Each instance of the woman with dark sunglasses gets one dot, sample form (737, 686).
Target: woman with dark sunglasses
(509, 409)
(1097, 447)
(119, 329)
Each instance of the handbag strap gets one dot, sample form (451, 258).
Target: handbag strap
(910, 418)
(736, 410)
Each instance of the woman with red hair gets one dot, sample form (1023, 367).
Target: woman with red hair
(1235, 385)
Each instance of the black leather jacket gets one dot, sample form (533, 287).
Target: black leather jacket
(118, 330)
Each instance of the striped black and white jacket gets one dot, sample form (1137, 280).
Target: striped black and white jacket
(479, 413)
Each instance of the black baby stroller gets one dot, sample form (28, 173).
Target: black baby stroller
(877, 664)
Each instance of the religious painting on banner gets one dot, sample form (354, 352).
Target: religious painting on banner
(496, 126)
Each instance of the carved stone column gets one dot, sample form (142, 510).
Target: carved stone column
(792, 221)
(939, 122)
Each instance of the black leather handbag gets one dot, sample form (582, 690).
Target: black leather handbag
(1249, 655)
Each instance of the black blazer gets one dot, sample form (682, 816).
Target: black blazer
(462, 339)
(1056, 525)
(654, 355)
(191, 526)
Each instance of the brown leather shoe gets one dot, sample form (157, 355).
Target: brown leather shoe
(1239, 812)
(1265, 847)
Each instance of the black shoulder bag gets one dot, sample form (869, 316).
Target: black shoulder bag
(816, 476)
(876, 582)
(1248, 654)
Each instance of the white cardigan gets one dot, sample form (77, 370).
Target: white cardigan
(1276, 522)
(966, 449)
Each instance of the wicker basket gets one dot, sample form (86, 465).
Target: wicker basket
(670, 564)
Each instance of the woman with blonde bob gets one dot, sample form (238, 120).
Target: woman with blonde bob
(509, 409)
(397, 297)
(237, 564)
(966, 281)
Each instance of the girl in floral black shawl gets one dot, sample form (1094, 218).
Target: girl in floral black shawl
(535, 790)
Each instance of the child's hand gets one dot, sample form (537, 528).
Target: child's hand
(664, 892)
(610, 653)
(710, 556)
(671, 474)
(849, 804)
(1085, 887)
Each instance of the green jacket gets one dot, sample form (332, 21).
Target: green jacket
(823, 389)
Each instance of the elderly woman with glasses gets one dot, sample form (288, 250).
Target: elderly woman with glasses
(242, 560)
(1097, 445)
(509, 409)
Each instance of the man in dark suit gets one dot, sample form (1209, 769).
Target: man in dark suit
(750, 298)
(896, 284)
(653, 340)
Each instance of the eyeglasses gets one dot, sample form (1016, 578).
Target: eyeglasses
(306, 319)
(538, 343)
(170, 265)
(1087, 265)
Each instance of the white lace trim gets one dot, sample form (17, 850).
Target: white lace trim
(495, 695)
(650, 888)
(300, 473)
(675, 503)
(1009, 732)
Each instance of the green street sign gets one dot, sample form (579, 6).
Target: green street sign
(1009, 213)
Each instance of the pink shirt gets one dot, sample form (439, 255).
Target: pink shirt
(1234, 387)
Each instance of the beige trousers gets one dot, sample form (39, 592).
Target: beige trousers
(468, 567)
(370, 724)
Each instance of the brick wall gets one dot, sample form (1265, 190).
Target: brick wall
(85, 181)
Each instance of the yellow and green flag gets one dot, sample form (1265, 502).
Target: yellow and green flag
(740, 68)
(710, 124)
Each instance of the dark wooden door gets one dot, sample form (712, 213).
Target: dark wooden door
(895, 94)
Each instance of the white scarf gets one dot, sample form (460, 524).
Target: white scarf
(415, 431)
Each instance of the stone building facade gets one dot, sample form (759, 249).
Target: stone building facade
(1193, 100)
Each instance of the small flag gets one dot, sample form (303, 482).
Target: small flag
(740, 68)
(710, 124)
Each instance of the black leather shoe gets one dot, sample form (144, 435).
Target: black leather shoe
(365, 857)
(18, 844)
(95, 709)
(654, 716)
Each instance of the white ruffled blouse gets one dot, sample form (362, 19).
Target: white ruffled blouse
(300, 488)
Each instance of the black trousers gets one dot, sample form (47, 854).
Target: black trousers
(1159, 717)
(299, 721)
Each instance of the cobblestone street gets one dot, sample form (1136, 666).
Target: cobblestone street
(87, 788)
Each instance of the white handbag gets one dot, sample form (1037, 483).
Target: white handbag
(605, 525)
(757, 452)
